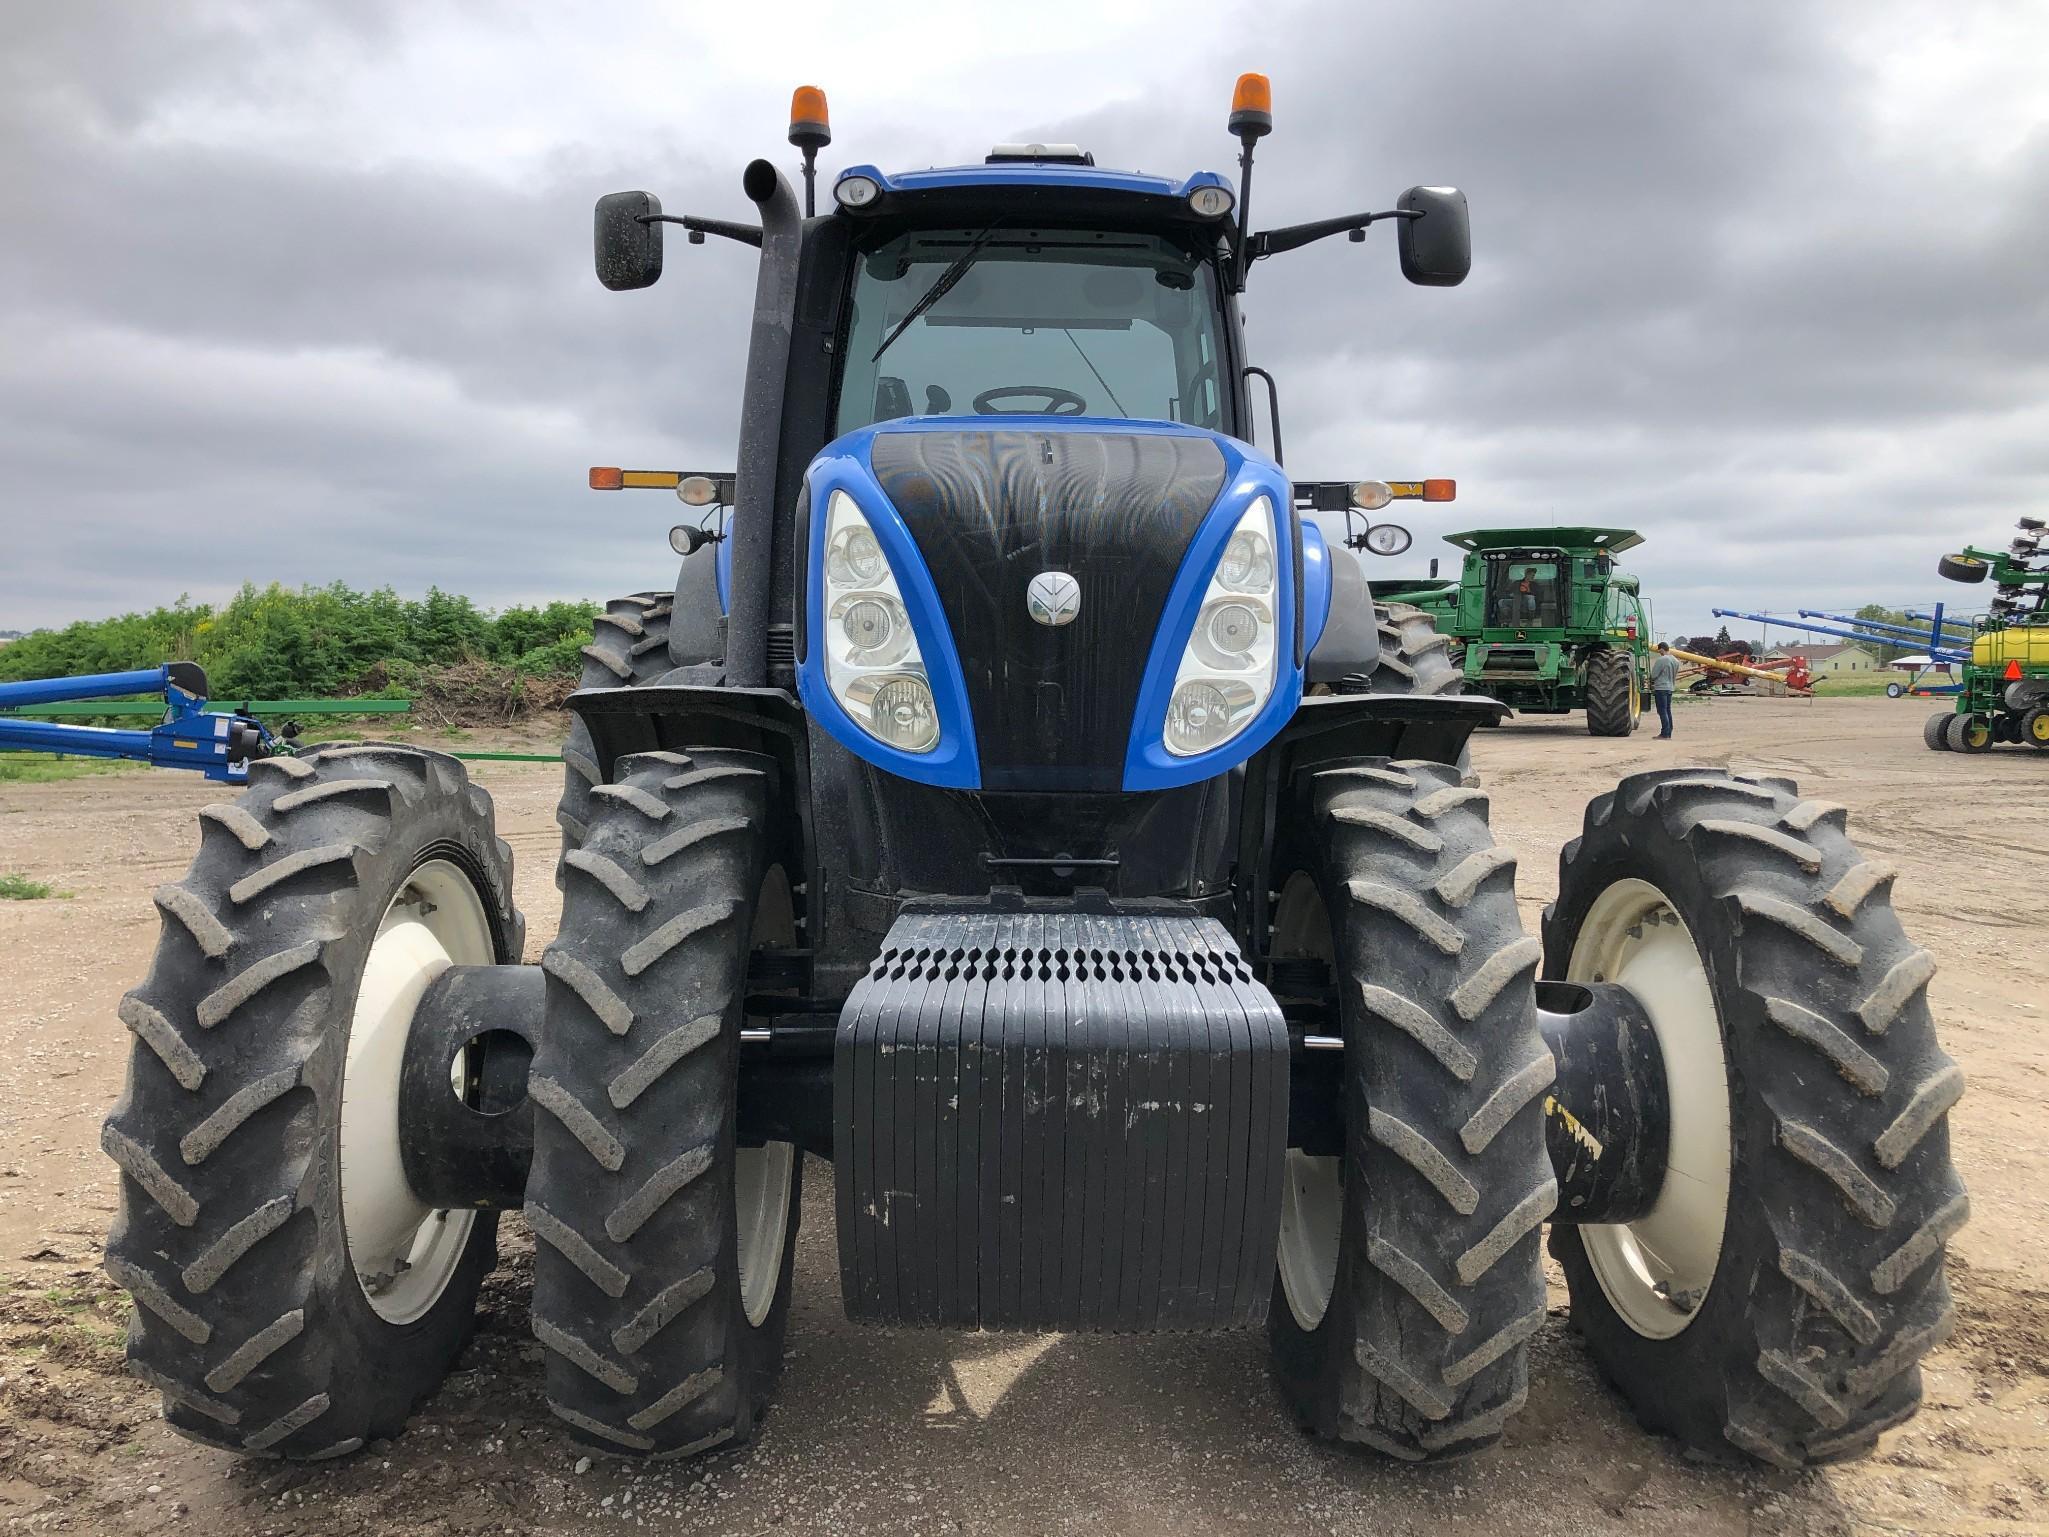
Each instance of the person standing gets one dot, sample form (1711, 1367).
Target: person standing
(1664, 677)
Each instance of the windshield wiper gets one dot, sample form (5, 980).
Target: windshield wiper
(1105, 383)
(938, 290)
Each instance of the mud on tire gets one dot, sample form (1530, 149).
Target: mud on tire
(1829, 1285)
(249, 1315)
(629, 647)
(637, 1283)
(1445, 1181)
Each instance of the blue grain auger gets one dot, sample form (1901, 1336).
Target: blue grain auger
(220, 744)
(1018, 798)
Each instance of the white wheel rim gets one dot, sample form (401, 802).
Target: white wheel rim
(1312, 1192)
(1656, 1271)
(761, 1212)
(403, 1251)
(762, 1176)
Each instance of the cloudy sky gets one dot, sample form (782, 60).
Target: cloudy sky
(295, 291)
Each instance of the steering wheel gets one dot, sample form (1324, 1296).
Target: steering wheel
(1058, 402)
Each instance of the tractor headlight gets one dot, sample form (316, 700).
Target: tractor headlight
(1227, 673)
(872, 662)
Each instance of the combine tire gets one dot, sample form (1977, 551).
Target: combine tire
(2035, 728)
(1611, 693)
(662, 1276)
(1935, 730)
(1408, 1281)
(1414, 658)
(1963, 568)
(293, 1297)
(629, 647)
(1780, 1294)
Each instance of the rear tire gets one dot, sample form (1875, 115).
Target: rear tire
(629, 648)
(1414, 657)
(1792, 1003)
(661, 1338)
(1611, 686)
(234, 1146)
(2035, 728)
(1409, 1283)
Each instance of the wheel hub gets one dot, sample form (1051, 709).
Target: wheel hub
(404, 1251)
(1656, 1269)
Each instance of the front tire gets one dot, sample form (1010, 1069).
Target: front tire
(1778, 1296)
(1935, 730)
(662, 1275)
(294, 1298)
(1408, 1284)
(1611, 693)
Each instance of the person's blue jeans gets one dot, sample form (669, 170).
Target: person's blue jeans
(1662, 698)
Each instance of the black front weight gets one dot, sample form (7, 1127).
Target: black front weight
(1608, 1115)
(470, 1148)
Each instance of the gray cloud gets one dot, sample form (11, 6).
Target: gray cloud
(1721, 294)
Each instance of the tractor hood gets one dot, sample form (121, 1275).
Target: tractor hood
(1052, 571)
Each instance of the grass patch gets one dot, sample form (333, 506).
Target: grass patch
(35, 768)
(16, 887)
(1861, 687)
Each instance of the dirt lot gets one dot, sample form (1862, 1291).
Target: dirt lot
(884, 1431)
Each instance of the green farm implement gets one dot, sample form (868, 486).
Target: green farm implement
(2004, 692)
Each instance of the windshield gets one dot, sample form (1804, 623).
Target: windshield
(1522, 592)
(1059, 322)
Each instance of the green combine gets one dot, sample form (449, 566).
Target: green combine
(2005, 684)
(1543, 621)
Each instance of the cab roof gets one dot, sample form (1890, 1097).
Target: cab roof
(1591, 541)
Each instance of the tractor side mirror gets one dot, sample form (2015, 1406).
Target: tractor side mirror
(1436, 249)
(627, 237)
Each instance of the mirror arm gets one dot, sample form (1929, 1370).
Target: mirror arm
(1274, 241)
(746, 234)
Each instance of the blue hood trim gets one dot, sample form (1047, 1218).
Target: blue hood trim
(846, 465)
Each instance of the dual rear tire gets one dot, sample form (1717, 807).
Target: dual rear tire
(1777, 1297)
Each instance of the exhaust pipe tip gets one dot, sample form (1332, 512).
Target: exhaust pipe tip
(760, 181)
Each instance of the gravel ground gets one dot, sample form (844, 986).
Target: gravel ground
(884, 1430)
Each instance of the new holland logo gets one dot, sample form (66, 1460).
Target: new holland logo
(1053, 598)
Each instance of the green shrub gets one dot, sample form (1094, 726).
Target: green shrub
(312, 642)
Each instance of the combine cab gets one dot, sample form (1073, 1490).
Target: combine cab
(1544, 622)
(1019, 800)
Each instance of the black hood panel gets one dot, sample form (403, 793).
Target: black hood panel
(990, 511)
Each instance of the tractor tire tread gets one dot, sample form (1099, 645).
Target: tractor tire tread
(647, 1349)
(1843, 1194)
(629, 648)
(249, 1318)
(1435, 1309)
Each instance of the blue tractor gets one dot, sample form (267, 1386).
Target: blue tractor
(1020, 802)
